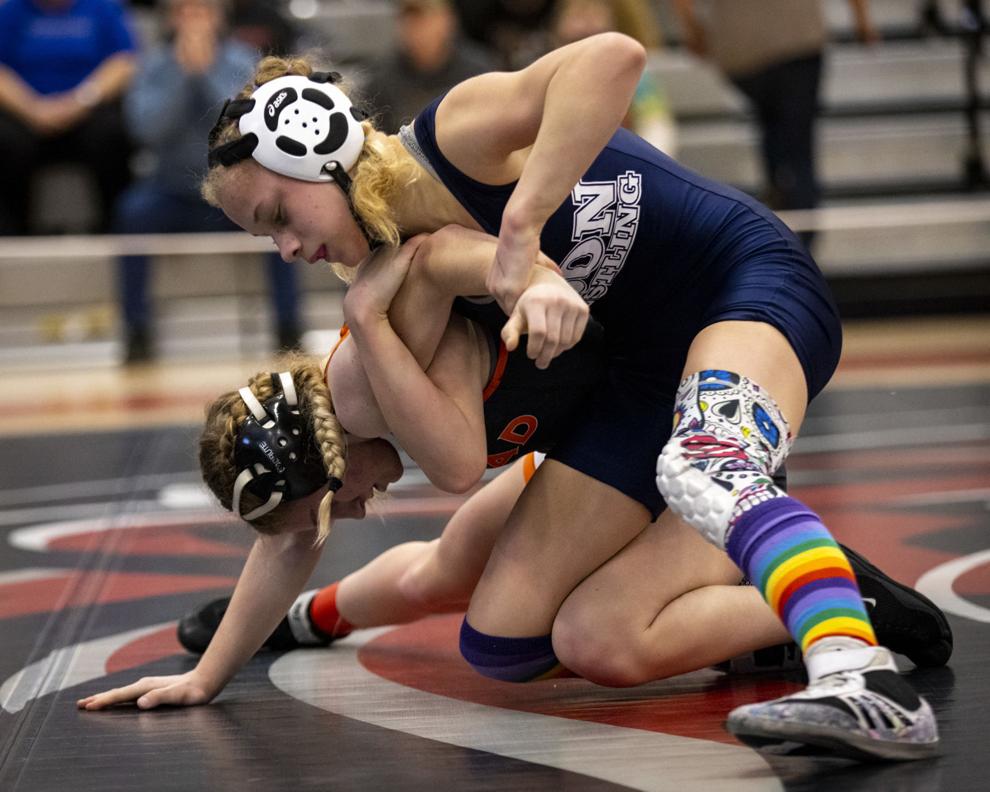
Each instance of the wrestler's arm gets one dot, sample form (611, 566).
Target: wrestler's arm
(436, 415)
(418, 313)
(543, 125)
(456, 261)
(276, 570)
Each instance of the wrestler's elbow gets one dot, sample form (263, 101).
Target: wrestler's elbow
(426, 265)
(458, 474)
(622, 51)
(451, 261)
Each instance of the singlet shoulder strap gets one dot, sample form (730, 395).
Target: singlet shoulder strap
(344, 332)
(407, 136)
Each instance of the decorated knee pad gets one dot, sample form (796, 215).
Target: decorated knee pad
(729, 439)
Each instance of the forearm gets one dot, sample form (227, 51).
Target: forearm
(15, 94)
(599, 77)
(456, 262)
(421, 330)
(435, 428)
(276, 570)
(110, 79)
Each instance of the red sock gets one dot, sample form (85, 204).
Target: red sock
(323, 613)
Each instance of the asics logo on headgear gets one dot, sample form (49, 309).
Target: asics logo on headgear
(277, 102)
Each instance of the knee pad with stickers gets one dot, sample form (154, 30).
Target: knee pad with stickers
(729, 439)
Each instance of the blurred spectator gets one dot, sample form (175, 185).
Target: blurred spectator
(649, 114)
(262, 25)
(170, 109)
(772, 51)
(429, 57)
(516, 30)
(63, 67)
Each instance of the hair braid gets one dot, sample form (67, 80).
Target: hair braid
(316, 402)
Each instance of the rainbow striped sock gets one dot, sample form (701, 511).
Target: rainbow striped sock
(783, 547)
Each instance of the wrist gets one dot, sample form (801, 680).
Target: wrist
(365, 320)
(87, 94)
(521, 219)
(209, 683)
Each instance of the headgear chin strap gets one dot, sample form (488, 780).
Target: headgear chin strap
(275, 452)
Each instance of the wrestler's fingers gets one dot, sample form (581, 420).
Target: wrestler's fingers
(536, 330)
(512, 330)
(119, 695)
(553, 340)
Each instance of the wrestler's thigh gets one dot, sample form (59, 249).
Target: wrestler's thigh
(760, 352)
(452, 567)
(563, 527)
(622, 598)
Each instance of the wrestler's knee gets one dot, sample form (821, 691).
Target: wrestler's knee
(600, 648)
(729, 438)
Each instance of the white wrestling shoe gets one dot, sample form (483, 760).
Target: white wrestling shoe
(866, 713)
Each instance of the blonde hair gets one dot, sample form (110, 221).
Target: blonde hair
(227, 413)
(382, 171)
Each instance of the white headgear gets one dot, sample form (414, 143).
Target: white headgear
(302, 127)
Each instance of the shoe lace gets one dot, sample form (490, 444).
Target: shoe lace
(837, 679)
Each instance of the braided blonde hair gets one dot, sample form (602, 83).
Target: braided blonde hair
(382, 171)
(225, 416)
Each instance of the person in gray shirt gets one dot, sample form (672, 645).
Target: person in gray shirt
(169, 111)
(429, 57)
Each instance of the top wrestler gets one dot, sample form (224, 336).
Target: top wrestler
(714, 315)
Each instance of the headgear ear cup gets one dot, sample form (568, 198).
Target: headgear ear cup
(301, 127)
(275, 452)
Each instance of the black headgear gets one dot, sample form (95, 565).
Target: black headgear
(275, 453)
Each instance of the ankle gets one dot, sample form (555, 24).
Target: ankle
(833, 655)
(323, 616)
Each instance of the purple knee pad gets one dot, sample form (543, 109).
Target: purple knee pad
(508, 659)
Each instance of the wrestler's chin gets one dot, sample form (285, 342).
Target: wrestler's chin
(351, 510)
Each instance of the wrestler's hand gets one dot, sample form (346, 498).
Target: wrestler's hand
(378, 279)
(515, 255)
(551, 313)
(181, 690)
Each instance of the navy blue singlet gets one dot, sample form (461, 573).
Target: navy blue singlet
(659, 253)
(529, 409)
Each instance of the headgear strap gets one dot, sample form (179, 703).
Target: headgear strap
(275, 451)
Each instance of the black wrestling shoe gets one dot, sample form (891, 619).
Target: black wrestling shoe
(778, 658)
(196, 629)
(904, 621)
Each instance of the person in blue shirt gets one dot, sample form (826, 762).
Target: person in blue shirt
(719, 328)
(168, 111)
(64, 65)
